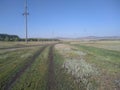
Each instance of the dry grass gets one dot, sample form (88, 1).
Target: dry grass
(108, 64)
(91, 65)
(75, 64)
(110, 45)
(19, 44)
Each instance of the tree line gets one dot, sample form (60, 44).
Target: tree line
(6, 37)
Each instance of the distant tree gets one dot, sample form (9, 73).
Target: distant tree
(6, 38)
(16, 39)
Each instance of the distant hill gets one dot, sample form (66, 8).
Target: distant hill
(100, 38)
(91, 38)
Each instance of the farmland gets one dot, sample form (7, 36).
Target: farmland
(60, 66)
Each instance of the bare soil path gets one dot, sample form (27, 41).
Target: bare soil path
(51, 84)
(22, 70)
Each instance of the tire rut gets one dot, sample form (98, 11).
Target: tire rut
(51, 83)
(22, 70)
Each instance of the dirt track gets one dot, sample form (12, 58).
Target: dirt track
(51, 84)
(22, 70)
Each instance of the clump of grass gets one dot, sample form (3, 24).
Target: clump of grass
(108, 63)
(25, 55)
(64, 80)
(78, 70)
(81, 71)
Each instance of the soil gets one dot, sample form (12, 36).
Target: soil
(51, 83)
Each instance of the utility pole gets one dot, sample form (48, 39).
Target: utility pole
(26, 15)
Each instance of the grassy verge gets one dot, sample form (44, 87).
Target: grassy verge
(35, 77)
(108, 63)
(11, 62)
(106, 59)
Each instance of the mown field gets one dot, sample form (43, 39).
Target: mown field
(63, 66)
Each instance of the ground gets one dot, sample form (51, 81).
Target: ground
(81, 65)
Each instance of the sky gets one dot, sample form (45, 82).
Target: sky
(61, 18)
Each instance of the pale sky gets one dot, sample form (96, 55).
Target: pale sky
(61, 18)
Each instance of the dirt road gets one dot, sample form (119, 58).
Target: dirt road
(51, 84)
(22, 70)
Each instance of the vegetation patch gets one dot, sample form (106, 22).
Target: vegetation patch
(108, 63)
(35, 77)
(82, 73)
(10, 63)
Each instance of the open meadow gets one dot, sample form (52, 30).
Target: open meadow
(71, 65)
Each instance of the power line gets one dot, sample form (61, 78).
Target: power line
(26, 20)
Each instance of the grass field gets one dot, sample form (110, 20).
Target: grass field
(110, 45)
(11, 62)
(66, 66)
(4, 45)
(35, 76)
